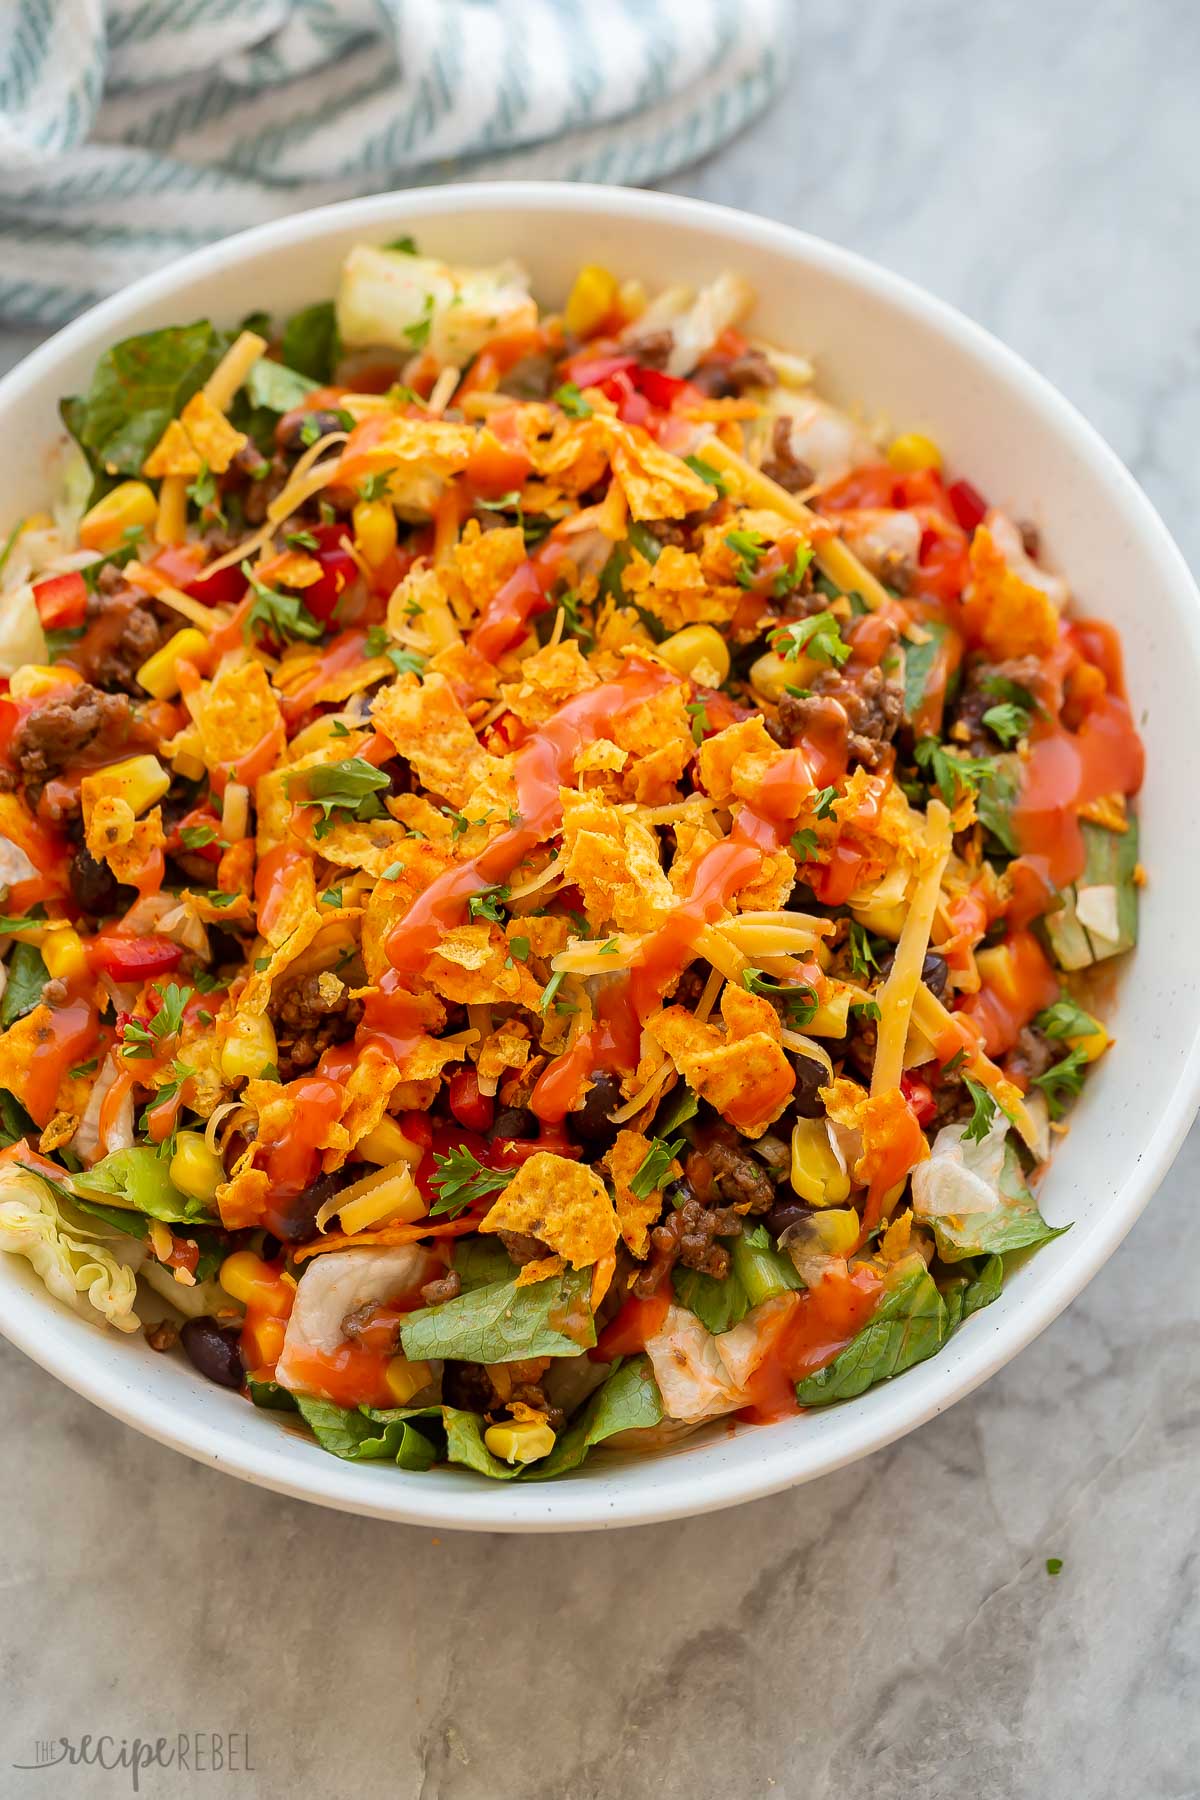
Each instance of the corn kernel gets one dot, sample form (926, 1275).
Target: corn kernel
(1092, 1043)
(831, 1233)
(196, 1170)
(522, 1442)
(832, 1016)
(374, 530)
(697, 650)
(250, 1047)
(913, 451)
(64, 955)
(189, 767)
(248, 1278)
(404, 1378)
(590, 300)
(817, 1175)
(140, 781)
(129, 504)
(388, 1144)
(32, 680)
(159, 674)
(772, 675)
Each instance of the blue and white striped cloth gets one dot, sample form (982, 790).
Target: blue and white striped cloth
(134, 130)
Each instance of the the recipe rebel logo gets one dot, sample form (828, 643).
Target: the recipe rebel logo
(190, 1752)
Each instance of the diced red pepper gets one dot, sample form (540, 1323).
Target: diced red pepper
(920, 1098)
(134, 958)
(970, 507)
(338, 570)
(660, 389)
(471, 1108)
(225, 588)
(61, 600)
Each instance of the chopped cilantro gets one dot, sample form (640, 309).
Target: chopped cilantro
(822, 802)
(351, 786)
(1054, 1565)
(338, 728)
(706, 472)
(285, 616)
(1066, 1019)
(332, 897)
(407, 246)
(819, 638)
(952, 771)
(392, 872)
(956, 1062)
(865, 1012)
(862, 951)
(569, 397)
(798, 1000)
(194, 837)
(375, 487)
(202, 492)
(301, 540)
(550, 991)
(460, 1179)
(87, 1068)
(698, 712)
(520, 947)
(804, 844)
(983, 1117)
(487, 904)
(749, 548)
(1063, 1081)
(793, 573)
(1007, 722)
(654, 1167)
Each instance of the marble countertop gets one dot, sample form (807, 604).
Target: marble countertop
(891, 1630)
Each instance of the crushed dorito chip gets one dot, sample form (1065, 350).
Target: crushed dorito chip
(561, 1202)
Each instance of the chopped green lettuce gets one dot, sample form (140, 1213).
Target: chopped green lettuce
(908, 1325)
(628, 1401)
(504, 1323)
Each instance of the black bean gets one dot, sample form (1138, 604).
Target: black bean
(810, 1077)
(591, 1123)
(934, 972)
(785, 1213)
(298, 433)
(297, 1219)
(514, 1122)
(93, 885)
(213, 1349)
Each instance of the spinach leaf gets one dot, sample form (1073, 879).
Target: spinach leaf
(309, 343)
(15, 1122)
(370, 1434)
(717, 1304)
(27, 976)
(628, 1400)
(480, 1262)
(919, 663)
(908, 1325)
(972, 1288)
(269, 1394)
(464, 1444)
(505, 1323)
(1013, 1225)
(138, 387)
(276, 387)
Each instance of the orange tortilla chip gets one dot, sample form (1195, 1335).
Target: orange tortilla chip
(200, 437)
(634, 1214)
(562, 1202)
(542, 1270)
(432, 732)
(742, 1072)
(656, 484)
(237, 713)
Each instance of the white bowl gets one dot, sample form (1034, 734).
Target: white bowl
(879, 341)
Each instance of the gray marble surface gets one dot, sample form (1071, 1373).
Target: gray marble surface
(890, 1631)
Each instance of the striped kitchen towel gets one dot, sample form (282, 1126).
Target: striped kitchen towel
(134, 130)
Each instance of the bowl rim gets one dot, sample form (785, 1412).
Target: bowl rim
(599, 1502)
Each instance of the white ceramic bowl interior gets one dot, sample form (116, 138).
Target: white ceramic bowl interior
(883, 344)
